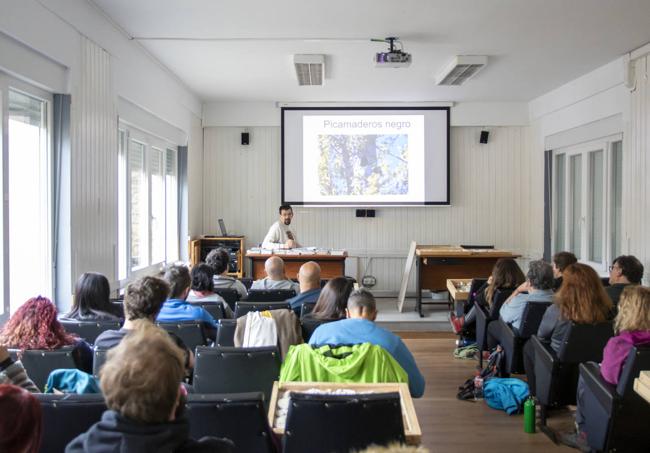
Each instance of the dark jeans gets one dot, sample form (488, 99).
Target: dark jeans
(529, 365)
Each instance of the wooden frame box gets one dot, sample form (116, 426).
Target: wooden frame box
(412, 431)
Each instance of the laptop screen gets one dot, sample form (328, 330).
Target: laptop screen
(222, 227)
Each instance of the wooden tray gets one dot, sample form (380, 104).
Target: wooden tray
(412, 430)
(454, 292)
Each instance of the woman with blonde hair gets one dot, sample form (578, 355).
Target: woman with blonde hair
(581, 299)
(506, 274)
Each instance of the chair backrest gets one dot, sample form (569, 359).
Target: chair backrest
(66, 416)
(532, 318)
(498, 298)
(247, 282)
(89, 330)
(306, 308)
(99, 358)
(269, 295)
(40, 363)
(346, 422)
(216, 309)
(638, 359)
(191, 332)
(226, 332)
(230, 295)
(308, 326)
(585, 342)
(236, 370)
(242, 308)
(239, 417)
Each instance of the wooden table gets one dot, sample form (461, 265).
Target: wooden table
(437, 263)
(455, 287)
(330, 265)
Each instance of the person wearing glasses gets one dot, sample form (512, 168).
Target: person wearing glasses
(625, 270)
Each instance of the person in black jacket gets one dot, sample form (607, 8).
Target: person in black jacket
(91, 301)
(141, 383)
(560, 262)
(625, 270)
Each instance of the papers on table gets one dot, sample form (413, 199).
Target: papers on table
(296, 251)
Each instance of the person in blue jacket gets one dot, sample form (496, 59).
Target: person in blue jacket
(359, 327)
(176, 308)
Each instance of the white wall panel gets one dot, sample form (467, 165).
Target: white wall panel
(94, 165)
(636, 167)
(495, 193)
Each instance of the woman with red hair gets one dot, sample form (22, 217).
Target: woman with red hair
(20, 432)
(34, 326)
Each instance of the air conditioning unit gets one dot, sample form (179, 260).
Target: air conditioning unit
(461, 69)
(310, 69)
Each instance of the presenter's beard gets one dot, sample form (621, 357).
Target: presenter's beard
(287, 222)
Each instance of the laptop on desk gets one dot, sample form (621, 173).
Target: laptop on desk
(224, 232)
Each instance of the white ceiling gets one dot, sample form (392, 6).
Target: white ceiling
(242, 50)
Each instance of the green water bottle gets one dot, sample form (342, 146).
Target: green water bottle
(529, 415)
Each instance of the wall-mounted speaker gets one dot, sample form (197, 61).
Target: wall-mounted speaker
(484, 137)
(361, 213)
(370, 212)
(245, 138)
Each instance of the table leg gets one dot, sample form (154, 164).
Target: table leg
(418, 284)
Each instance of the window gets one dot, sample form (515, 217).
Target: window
(148, 223)
(26, 174)
(587, 201)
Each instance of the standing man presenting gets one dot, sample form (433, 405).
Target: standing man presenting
(280, 235)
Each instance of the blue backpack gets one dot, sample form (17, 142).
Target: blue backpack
(506, 394)
(71, 381)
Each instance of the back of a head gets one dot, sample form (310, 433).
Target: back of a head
(92, 294)
(634, 309)
(310, 274)
(144, 298)
(507, 274)
(179, 280)
(630, 267)
(218, 259)
(540, 275)
(142, 375)
(20, 423)
(274, 268)
(202, 277)
(362, 301)
(35, 326)
(564, 259)
(333, 299)
(582, 297)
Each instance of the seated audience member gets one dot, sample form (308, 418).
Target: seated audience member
(219, 260)
(309, 280)
(34, 326)
(538, 287)
(581, 299)
(13, 372)
(176, 308)
(559, 262)
(276, 278)
(632, 326)
(202, 289)
(91, 301)
(20, 420)
(625, 270)
(143, 300)
(506, 274)
(332, 302)
(359, 327)
(144, 399)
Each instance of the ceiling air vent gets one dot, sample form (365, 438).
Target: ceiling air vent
(310, 69)
(461, 69)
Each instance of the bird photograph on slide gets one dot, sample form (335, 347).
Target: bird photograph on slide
(364, 164)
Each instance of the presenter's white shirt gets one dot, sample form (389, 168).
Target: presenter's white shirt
(277, 236)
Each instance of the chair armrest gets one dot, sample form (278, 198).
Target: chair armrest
(543, 353)
(603, 391)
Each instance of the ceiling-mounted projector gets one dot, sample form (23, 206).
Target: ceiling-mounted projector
(393, 58)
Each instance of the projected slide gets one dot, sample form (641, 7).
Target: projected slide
(350, 158)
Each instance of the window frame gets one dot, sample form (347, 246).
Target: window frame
(7, 84)
(587, 150)
(126, 134)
